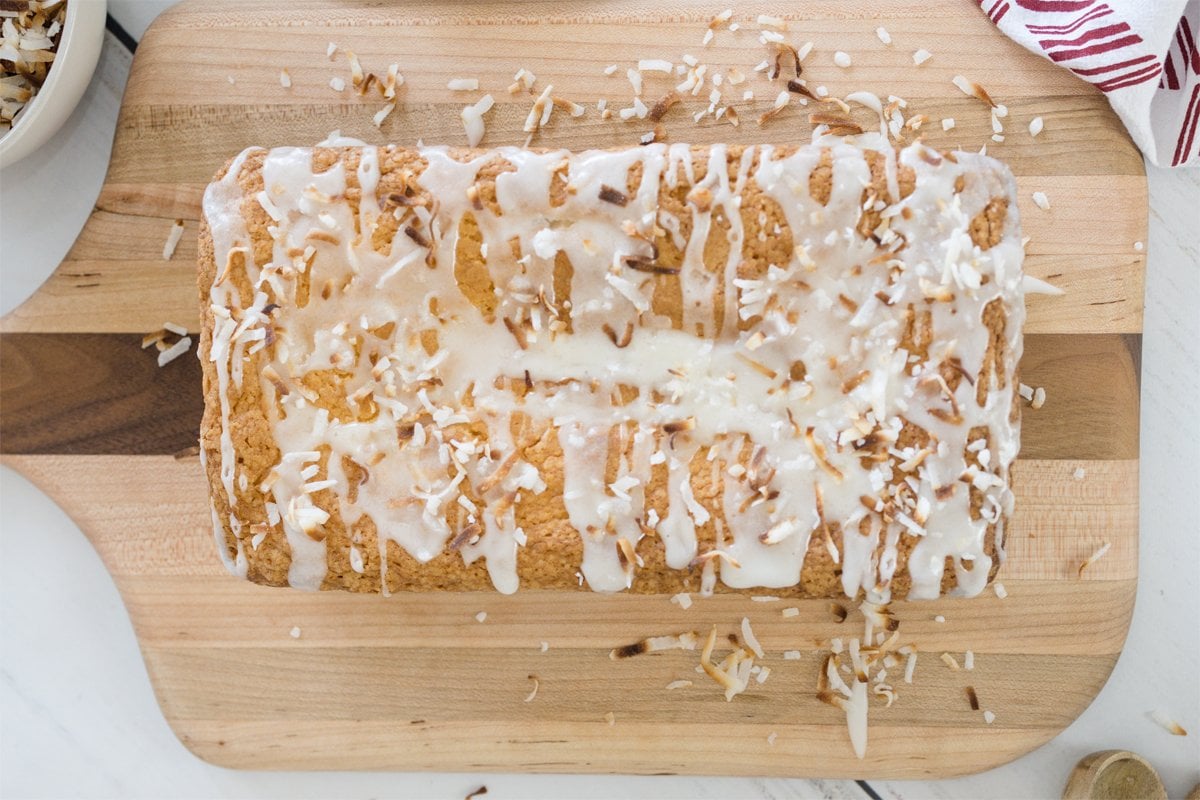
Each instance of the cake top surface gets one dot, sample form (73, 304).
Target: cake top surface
(831, 329)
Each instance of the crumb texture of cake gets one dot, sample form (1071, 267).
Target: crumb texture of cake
(660, 369)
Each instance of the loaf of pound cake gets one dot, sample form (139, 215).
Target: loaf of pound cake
(657, 369)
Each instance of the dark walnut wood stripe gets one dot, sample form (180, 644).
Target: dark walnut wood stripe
(101, 394)
(95, 394)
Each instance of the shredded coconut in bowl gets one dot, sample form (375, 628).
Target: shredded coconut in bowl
(30, 31)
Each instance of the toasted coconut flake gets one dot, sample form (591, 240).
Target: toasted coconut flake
(382, 114)
(972, 698)
(797, 86)
(1100, 552)
(539, 114)
(681, 684)
(627, 555)
(173, 238)
(610, 718)
(950, 661)
(972, 89)
(655, 644)
(1169, 725)
(750, 638)
(533, 692)
(910, 666)
(713, 555)
(818, 451)
(679, 426)
(841, 124)
(187, 452)
(757, 366)
(839, 612)
(482, 790)
(781, 101)
(662, 105)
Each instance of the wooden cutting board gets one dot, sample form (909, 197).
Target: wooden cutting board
(415, 682)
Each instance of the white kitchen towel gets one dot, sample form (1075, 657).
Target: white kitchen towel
(1142, 54)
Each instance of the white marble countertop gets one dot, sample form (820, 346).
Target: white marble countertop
(78, 717)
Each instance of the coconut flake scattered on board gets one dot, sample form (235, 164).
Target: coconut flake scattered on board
(683, 600)
(1100, 552)
(472, 117)
(610, 718)
(681, 684)
(790, 611)
(921, 56)
(1035, 126)
(653, 644)
(999, 589)
(1079, 474)
(842, 59)
(1032, 285)
(481, 616)
(883, 35)
(382, 114)
(1169, 725)
(791, 655)
(533, 692)
(337, 84)
(989, 717)
(751, 639)
(173, 238)
(295, 632)
(174, 351)
(285, 79)
(1041, 201)
(463, 84)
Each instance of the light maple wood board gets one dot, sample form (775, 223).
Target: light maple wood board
(415, 682)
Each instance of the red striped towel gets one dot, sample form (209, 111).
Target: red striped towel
(1143, 54)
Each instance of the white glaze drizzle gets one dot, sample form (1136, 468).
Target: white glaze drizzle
(730, 390)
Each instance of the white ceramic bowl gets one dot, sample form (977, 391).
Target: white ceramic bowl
(78, 51)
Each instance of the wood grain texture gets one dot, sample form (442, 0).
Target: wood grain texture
(414, 682)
